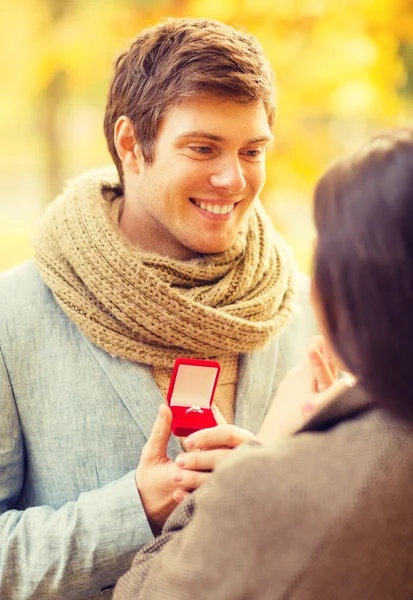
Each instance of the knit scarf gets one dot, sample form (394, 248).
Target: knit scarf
(152, 309)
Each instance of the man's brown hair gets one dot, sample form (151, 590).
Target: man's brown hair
(178, 59)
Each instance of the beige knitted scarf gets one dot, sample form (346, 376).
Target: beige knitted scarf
(151, 309)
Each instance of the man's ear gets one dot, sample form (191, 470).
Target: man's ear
(128, 149)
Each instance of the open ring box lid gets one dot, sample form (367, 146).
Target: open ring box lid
(190, 395)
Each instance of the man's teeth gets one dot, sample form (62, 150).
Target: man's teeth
(215, 209)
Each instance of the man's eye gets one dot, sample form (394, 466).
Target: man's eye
(253, 152)
(201, 149)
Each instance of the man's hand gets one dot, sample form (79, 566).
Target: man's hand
(158, 477)
(216, 444)
(308, 386)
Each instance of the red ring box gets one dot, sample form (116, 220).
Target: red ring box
(190, 395)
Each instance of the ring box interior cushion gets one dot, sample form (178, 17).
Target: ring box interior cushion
(190, 395)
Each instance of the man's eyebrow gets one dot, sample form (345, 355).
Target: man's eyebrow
(217, 138)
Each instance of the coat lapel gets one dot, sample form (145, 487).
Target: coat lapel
(256, 379)
(135, 386)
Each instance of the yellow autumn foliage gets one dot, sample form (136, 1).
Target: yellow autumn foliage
(339, 67)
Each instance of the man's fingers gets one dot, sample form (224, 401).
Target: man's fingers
(322, 377)
(156, 446)
(222, 436)
(202, 461)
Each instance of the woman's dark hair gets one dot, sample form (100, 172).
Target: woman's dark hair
(363, 265)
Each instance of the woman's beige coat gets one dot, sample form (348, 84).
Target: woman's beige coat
(327, 515)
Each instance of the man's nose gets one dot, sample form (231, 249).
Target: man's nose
(229, 176)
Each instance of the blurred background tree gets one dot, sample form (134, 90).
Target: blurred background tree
(344, 69)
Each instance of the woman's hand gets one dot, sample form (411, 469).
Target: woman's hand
(308, 386)
(216, 444)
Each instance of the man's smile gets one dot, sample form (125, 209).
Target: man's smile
(215, 208)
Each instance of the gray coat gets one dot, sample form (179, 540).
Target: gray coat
(326, 515)
(73, 422)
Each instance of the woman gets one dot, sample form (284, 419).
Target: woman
(327, 513)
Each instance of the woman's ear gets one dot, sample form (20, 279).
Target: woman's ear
(128, 149)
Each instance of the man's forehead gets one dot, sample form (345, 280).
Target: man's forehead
(204, 134)
(217, 119)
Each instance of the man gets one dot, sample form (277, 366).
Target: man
(170, 256)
